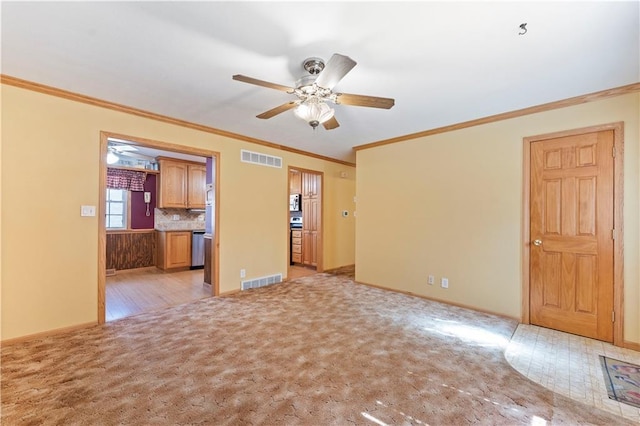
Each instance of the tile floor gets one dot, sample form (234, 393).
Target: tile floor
(569, 365)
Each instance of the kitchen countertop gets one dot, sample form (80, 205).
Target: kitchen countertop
(180, 226)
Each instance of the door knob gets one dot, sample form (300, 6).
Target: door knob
(537, 242)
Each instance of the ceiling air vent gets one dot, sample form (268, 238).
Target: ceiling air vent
(261, 159)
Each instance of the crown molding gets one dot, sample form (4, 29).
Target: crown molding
(53, 91)
(595, 96)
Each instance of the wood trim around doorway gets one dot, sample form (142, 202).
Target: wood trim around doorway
(102, 231)
(618, 243)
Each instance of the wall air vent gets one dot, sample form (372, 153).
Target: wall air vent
(261, 159)
(261, 282)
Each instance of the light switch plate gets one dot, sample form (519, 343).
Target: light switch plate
(87, 210)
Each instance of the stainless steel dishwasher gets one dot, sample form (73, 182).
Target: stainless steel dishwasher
(197, 249)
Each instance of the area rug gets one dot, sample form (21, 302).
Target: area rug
(622, 380)
(318, 350)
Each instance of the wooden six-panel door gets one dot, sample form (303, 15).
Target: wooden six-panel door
(571, 234)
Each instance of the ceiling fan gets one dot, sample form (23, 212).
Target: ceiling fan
(116, 150)
(316, 89)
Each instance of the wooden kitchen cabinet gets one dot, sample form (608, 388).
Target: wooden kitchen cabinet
(310, 248)
(196, 186)
(173, 184)
(182, 184)
(306, 243)
(295, 182)
(296, 246)
(173, 249)
(310, 229)
(311, 218)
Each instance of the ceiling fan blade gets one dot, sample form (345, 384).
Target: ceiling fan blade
(262, 83)
(337, 67)
(134, 155)
(122, 148)
(277, 110)
(365, 101)
(331, 123)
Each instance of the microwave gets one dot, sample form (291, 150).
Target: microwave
(295, 202)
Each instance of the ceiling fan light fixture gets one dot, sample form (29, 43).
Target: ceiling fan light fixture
(314, 112)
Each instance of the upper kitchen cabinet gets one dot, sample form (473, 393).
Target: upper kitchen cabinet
(310, 185)
(172, 183)
(196, 186)
(295, 182)
(182, 184)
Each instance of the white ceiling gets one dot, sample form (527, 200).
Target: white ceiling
(443, 62)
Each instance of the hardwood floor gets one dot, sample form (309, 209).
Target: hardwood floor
(147, 289)
(300, 271)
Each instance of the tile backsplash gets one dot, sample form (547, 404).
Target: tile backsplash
(188, 220)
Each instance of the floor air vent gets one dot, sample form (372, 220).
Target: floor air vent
(261, 159)
(261, 282)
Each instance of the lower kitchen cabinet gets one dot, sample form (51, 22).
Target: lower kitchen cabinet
(310, 248)
(296, 246)
(174, 250)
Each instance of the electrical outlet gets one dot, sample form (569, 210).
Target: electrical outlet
(444, 282)
(243, 273)
(175, 217)
(431, 280)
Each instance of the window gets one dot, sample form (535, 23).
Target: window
(116, 209)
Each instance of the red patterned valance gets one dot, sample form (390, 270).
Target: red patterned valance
(125, 179)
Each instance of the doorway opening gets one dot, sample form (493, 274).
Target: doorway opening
(573, 232)
(305, 188)
(154, 250)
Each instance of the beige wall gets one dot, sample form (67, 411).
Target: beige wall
(50, 167)
(451, 205)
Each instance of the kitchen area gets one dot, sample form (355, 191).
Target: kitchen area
(180, 215)
(159, 236)
(305, 222)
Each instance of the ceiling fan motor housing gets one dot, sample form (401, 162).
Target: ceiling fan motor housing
(313, 65)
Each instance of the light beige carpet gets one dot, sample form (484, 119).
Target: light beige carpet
(318, 350)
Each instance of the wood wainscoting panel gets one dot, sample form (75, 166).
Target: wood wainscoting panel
(131, 249)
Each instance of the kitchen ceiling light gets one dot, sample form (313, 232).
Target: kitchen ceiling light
(314, 111)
